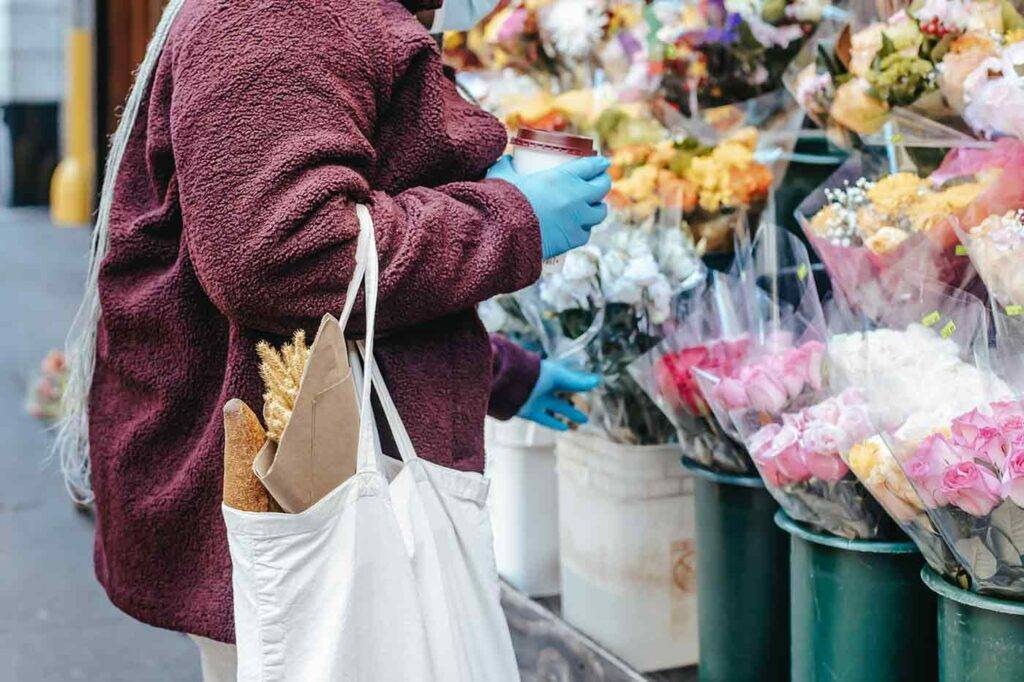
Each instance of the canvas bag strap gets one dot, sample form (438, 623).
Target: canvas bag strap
(406, 449)
(366, 274)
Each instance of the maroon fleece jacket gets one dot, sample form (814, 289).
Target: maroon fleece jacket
(233, 221)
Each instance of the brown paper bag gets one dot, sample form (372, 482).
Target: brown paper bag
(317, 452)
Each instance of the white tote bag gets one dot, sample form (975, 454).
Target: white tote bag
(390, 577)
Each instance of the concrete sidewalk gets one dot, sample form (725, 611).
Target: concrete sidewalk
(55, 622)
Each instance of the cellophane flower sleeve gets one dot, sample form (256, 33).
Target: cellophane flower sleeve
(711, 332)
(879, 219)
(793, 421)
(950, 420)
(609, 304)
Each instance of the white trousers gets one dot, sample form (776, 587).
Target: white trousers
(219, 661)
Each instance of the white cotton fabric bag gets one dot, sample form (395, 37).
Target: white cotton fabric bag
(390, 577)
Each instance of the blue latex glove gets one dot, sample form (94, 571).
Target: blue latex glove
(568, 199)
(544, 405)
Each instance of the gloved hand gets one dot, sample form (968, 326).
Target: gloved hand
(544, 405)
(568, 199)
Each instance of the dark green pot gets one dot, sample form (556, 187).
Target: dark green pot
(981, 639)
(859, 612)
(742, 579)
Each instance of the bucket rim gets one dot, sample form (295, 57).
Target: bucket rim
(795, 528)
(937, 584)
(706, 473)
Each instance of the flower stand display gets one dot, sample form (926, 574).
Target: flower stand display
(858, 610)
(743, 612)
(626, 515)
(981, 638)
(524, 504)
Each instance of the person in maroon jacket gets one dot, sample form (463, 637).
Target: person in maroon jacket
(228, 218)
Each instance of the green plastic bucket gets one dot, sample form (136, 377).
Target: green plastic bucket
(859, 612)
(742, 579)
(981, 639)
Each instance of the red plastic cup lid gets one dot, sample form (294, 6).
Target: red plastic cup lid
(559, 143)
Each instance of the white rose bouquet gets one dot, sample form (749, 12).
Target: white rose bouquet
(608, 305)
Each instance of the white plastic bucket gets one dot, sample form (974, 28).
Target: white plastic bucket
(628, 551)
(524, 504)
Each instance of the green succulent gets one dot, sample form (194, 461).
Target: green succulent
(900, 80)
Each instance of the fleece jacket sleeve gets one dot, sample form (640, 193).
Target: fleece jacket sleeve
(514, 375)
(275, 120)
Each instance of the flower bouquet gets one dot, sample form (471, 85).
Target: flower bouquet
(607, 306)
(711, 187)
(711, 333)
(937, 69)
(793, 420)
(44, 398)
(924, 366)
(721, 62)
(871, 224)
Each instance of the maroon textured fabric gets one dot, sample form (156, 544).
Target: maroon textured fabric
(233, 222)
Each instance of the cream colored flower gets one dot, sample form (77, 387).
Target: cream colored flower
(876, 467)
(854, 108)
(885, 240)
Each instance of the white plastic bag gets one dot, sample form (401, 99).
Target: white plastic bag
(390, 577)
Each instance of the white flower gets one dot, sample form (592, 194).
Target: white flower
(575, 27)
(952, 14)
(625, 291)
(613, 264)
(769, 35)
(744, 8)
(581, 264)
(659, 300)
(994, 94)
(492, 315)
(806, 10)
(644, 271)
(561, 294)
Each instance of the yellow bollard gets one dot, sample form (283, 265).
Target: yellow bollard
(72, 187)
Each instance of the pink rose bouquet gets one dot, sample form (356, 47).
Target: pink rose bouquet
(800, 458)
(970, 476)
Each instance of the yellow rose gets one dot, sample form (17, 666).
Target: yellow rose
(875, 466)
(855, 109)
(885, 240)
(894, 193)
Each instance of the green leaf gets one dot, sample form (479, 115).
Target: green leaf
(977, 558)
(1002, 548)
(888, 48)
(1009, 519)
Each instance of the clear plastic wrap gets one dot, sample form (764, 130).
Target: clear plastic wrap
(711, 332)
(940, 73)
(610, 303)
(950, 420)
(795, 422)
(874, 223)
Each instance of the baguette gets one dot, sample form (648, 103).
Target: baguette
(243, 438)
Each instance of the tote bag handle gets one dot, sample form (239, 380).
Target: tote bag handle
(366, 274)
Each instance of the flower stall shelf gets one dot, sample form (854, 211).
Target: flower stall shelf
(981, 638)
(743, 614)
(858, 610)
(626, 515)
(524, 504)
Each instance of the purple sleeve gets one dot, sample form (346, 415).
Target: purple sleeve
(515, 374)
(273, 148)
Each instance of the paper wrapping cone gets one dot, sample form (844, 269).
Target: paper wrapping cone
(317, 452)
(243, 438)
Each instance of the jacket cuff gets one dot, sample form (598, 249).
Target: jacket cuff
(517, 218)
(515, 372)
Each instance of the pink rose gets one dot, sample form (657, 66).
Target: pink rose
(824, 438)
(760, 443)
(966, 427)
(926, 467)
(731, 393)
(792, 465)
(827, 411)
(826, 467)
(815, 357)
(776, 451)
(793, 368)
(978, 435)
(796, 420)
(854, 422)
(972, 488)
(1008, 411)
(1013, 478)
(764, 392)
